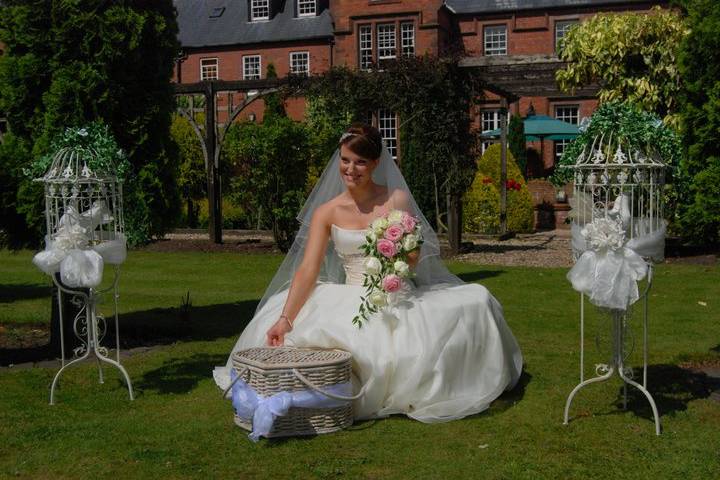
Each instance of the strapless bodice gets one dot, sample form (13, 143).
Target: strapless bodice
(347, 245)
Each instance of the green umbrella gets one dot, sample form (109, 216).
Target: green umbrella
(539, 127)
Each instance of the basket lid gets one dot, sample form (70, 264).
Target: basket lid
(269, 358)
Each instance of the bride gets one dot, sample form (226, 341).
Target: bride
(443, 353)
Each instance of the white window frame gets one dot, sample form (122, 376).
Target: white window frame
(251, 76)
(294, 56)
(407, 38)
(560, 148)
(204, 68)
(489, 120)
(565, 113)
(365, 46)
(305, 4)
(561, 29)
(386, 41)
(388, 127)
(495, 40)
(259, 6)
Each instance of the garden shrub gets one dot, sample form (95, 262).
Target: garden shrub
(481, 202)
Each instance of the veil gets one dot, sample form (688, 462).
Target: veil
(430, 269)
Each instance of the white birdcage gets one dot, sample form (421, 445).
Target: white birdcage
(84, 218)
(618, 233)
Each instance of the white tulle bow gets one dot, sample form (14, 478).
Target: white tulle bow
(70, 253)
(264, 410)
(609, 267)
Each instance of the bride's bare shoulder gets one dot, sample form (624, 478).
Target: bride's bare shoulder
(326, 210)
(399, 199)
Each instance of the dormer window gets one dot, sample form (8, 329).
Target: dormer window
(307, 8)
(217, 12)
(259, 10)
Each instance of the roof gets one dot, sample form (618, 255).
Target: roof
(491, 6)
(232, 26)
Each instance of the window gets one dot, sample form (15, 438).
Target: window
(489, 120)
(387, 124)
(495, 40)
(251, 67)
(560, 148)
(386, 45)
(300, 63)
(306, 8)
(567, 113)
(365, 50)
(259, 10)
(208, 69)
(561, 29)
(407, 35)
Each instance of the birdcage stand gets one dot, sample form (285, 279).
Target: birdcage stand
(619, 354)
(90, 327)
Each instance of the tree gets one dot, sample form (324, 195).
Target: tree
(192, 180)
(516, 142)
(70, 62)
(700, 103)
(632, 56)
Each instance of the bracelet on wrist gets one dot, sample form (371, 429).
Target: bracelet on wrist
(287, 319)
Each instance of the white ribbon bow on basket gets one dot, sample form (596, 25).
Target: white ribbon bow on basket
(262, 410)
(609, 267)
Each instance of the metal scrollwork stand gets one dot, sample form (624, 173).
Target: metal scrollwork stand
(619, 355)
(90, 328)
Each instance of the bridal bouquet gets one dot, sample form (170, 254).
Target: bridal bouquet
(388, 242)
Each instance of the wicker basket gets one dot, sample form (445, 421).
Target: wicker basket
(269, 370)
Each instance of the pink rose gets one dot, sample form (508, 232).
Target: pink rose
(386, 248)
(408, 222)
(394, 233)
(391, 283)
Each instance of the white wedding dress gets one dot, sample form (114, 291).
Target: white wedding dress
(442, 353)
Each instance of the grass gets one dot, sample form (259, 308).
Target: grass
(178, 427)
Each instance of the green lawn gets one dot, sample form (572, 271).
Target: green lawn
(178, 427)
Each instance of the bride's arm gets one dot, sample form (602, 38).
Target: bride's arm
(303, 281)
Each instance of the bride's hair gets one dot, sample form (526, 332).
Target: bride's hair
(364, 140)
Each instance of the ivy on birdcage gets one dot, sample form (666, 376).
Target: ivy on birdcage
(107, 156)
(638, 129)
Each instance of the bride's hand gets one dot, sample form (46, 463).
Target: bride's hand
(276, 334)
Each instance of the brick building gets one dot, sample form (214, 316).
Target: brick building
(238, 39)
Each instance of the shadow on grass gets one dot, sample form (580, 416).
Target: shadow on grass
(157, 326)
(476, 275)
(672, 387)
(180, 375)
(511, 397)
(10, 293)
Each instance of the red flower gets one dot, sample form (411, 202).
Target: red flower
(487, 180)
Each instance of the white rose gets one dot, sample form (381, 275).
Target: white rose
(401, 268)
(410, 242)
(395, 216)
(373, 266)
(378, 298)
(379, 225)
(370, 234)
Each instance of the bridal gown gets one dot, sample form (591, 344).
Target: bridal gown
(443, 353)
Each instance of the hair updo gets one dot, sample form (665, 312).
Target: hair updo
(363, 140)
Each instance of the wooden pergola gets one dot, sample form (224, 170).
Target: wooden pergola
(508, 77)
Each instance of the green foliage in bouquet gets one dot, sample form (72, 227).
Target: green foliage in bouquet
(481, 203)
